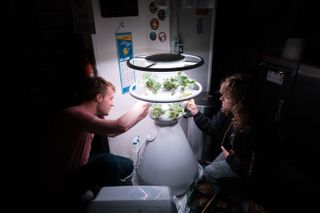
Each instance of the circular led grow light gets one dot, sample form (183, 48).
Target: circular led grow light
(165, 62)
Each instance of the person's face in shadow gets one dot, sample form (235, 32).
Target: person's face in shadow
(226, 100)
(105, 103)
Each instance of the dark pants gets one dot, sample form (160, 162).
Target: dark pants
(103, 169)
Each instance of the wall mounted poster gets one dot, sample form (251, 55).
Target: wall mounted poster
(125, 52)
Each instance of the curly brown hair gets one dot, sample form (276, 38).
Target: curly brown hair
(240, 88)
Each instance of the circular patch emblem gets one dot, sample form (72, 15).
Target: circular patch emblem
(162, 36)
(154, 23)
(153, 36)
(161, 14)
(152, 7)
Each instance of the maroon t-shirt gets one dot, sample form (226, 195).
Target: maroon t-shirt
(70, 142)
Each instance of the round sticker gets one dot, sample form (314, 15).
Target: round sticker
(152, 7)
(162, 36)
(153, 36)
(161, 14)
(154, 23)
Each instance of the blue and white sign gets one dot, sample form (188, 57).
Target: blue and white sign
(125, 52)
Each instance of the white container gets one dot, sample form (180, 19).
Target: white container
(135, 149)
(293, 49)
(124, 199)
(168, 160)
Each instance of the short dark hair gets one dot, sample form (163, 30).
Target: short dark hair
(93, 86)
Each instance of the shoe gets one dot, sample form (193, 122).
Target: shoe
(87, 196)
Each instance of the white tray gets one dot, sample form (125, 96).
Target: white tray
(163, 96)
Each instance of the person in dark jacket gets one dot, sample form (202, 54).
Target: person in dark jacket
(233, 127)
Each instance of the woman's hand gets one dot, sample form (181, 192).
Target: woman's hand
(226, 153)
(192, 107)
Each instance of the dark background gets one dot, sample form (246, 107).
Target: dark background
(47, 57)
(245, 30)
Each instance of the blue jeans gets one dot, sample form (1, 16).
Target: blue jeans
(219, 168)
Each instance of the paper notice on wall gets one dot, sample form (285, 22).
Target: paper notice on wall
(125, 52)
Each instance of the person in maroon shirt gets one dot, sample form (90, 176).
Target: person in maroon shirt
(72, 170)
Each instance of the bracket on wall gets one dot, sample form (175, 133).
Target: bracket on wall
(122, 28)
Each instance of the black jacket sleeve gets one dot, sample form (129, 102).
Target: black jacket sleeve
(210, 127)
(243, 141)
(243, 152)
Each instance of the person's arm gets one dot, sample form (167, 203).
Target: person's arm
(192, 107)
(240, 160)
(113, 128)
(209, 126)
